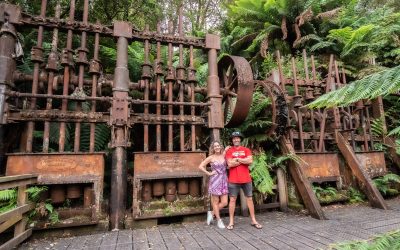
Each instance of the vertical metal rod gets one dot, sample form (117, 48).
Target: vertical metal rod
(182, 86)
(213, 89)
(314, 78)
(35, 83)
(296, 88)
(305, 65)
(82, 55)
(329, 81)
(170, 94)
(363, 124)
(321, 144)
(353, 143)
(281, 77)
(64, 103)
(158, 91)
(314, 72)
(192, 99)
(119, 163)
(369, 126)
(52, 58)
(146, 97)
(94, 91)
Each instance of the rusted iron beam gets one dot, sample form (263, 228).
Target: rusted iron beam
(52, 63)
(66, 61)
(302, 183)
(180, 75)
(82, 62)
(215, 116)
(37, 58)
(105, 31)
(57, 116)
(374, 196)
(191, 80)
(119, 122)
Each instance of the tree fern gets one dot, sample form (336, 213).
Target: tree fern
(369, 87)
(260, 172)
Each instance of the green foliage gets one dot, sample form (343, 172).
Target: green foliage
(370, 87)
(385, 241)
(385, 184)
(8, 199)
(260, 172)
(355, 195)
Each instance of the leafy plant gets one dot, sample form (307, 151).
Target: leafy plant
(260, 172)
(384, 183)
(355, 195)
(389, 240)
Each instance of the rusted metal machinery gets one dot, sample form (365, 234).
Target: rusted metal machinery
(60, 102)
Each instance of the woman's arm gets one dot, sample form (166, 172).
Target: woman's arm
(203, 165)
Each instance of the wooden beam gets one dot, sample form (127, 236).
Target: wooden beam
(16, 211)
(374, 196)
(7, 182)
(16, 240)
(302, 183)
(392, 149)
(282, 189)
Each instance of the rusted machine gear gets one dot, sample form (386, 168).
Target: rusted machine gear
(279, 108)
(236, 77)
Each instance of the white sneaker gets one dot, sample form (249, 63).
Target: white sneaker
(220, 224)
(210, 217)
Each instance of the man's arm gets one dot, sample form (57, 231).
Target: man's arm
(247, 161)
(232, 162)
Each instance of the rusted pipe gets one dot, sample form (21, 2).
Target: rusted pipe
(82, 62)
(95, 74)
(52, 68)
(37, 58)
(192, 99)
(119, 141)
(181, 82)
(158, 94)
(66, 62)
(170, 94)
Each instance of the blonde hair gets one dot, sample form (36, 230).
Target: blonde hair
(212, 151)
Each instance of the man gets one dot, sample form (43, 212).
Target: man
(239, 159)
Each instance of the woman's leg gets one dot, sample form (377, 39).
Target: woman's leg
(224, 201)
(214, 202)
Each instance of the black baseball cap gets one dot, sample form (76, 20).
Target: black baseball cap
(236, 134)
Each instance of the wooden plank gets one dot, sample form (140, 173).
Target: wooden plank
(4, 226)
(282, 189)
(21, 200)
(16, 240)
(7, 182)
(374, 196)
(302, 183)
(16, 211)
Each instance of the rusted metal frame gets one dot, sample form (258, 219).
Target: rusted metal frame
(119, 122)
(192, 97)
(51, 67)
(67, 60)
(170, 82)
(158, 90)
(215, 117)
(348, 110)
(314, 79)
(374, 196)
(82, 62)
(165, 119)
(364, 129)
(57, 116)
(63, 97)
(106, 31)
(302, 183)
(37, 58)
(181, 82)
(297, 103)
(321, 143)
(147, 91)
(95, 72)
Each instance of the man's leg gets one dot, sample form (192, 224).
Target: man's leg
(248, 192)
(233, 193)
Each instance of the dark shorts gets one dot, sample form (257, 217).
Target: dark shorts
(234, 189)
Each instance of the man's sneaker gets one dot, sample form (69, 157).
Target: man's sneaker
(220, 224)
(210, 217)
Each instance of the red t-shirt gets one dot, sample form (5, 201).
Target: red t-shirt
(241, 173)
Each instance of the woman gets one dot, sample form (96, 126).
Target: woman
(218, 183)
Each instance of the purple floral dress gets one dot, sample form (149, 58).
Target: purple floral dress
(218, 184)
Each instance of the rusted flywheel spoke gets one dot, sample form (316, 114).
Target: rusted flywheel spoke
(236, 77)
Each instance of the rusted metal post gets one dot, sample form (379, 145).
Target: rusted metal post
(82, 62)
(94, 70)
(66, 61)
(181, 81)
(119, 122)
(8, 39)
(37, 58)
(192, 80)
(215, 116)
(51, 67)
(158, 86)
(170, 81)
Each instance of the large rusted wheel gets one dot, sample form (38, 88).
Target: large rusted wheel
(277, 110)
(236, 78)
